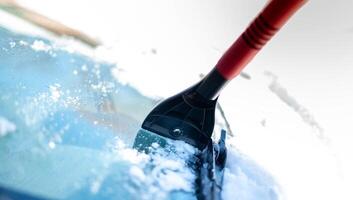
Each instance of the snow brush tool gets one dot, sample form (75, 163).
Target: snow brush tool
(189, 116)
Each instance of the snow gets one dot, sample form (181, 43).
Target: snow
(51, 145)
(6, 127)
(39, 45)
(161, 171)
(55, 92)
(137, 172)
(243, 179)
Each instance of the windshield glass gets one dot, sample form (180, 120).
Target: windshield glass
(67, 125)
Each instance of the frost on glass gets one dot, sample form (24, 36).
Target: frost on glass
(67, 125)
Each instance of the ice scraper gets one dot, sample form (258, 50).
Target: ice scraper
(189, 116)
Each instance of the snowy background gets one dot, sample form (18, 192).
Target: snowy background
(292, 116)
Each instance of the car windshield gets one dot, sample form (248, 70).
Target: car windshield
(67, 124)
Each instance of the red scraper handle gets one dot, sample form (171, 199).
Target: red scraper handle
(190, 115)
(266, 24)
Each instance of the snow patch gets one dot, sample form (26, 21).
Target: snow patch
(51, 145)
(39, 45)
(12, 44)
(137, 173)
(95, 186)
(160, 172)
(244, 180)
(23, 43)
(55, 92)
(6, 127)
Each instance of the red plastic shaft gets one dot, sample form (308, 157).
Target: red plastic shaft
(266, 24)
